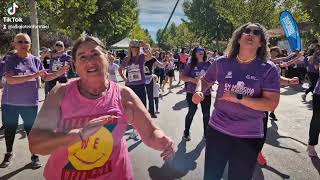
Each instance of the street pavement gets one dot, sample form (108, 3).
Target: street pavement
(285, 145)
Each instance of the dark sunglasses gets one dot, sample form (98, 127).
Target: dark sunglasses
(59, 45)
(254, 31)
(23, 42)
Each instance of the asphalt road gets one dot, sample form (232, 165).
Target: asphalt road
(285, 146)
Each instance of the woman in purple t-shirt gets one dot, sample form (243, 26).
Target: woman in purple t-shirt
(134, 65)
(315, 121)
(192, 72)
(249, 85)
(20, 95)
(312, 69)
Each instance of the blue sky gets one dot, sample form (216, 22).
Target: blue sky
(155, 13)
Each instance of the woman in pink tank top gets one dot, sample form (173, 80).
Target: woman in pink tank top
(82, 124)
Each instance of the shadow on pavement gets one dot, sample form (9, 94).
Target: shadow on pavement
(182, 163)
(180, 105)
(133, 146)
(293, 90)
(316, 163)
(273, 136)
(258, 174)
(20, 130)
(11, 174)
(180, 91)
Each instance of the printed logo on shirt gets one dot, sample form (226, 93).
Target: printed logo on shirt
(24, 70)
(90, 159)
(229, 75)
(249, 77)
(200, 73)
(239, 88)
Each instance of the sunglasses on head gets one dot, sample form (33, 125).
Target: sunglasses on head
(256, 32)
(59, 45)
(23, 42)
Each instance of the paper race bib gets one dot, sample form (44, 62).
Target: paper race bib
(56, 65)
(134, 75)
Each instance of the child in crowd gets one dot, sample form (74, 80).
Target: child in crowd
(156, 91)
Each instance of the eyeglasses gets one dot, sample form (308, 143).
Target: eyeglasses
(59, 45)
(23, 42)
(254, 31)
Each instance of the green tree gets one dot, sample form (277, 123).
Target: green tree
(265, 12)
(206, 22)
(312, 7)
(151, 41)
(114, 19)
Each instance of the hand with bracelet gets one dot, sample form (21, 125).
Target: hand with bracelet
(94, 125)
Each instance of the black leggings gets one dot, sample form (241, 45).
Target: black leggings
(241, 153)
(315, 121)
(140, 91)
(313, 77)
(50, 84)
(205, 106)
(10, 117)
(149, 88)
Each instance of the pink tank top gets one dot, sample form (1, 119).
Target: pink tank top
(105, 154)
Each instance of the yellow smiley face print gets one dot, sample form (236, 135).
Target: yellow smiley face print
(91, 154)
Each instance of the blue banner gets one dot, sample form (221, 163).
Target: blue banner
(291, 30)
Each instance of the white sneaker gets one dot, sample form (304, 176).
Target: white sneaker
(311, 151)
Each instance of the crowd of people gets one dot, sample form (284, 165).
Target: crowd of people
(83, 120)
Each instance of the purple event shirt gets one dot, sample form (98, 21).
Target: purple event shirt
(310, 66)
(24, 94)
(196, 72)
(248, 79)
(58, 62)
(135, 69)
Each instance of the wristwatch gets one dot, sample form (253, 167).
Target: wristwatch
(239, 97)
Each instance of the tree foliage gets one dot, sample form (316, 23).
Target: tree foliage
(312, 7)
(205, 21)
(176, 37)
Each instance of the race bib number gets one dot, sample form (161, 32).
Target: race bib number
(134, 75)
(56, 65)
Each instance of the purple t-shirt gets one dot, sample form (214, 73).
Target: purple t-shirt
(197, 71)
(310, 66)
(135, 70)
(317, 88)
(24, 94)
(249, 80)
(58, 62)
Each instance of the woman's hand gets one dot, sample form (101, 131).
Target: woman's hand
(94, 125)
(294, 81)
(197, 97)
(166, 145)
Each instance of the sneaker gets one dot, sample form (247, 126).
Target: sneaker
(311, 151)
(7, 160)
(273, 116)
(261, 159)
(154, 116)
(35, 162)
(304, 96)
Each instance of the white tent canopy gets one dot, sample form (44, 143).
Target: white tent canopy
(123, 44)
